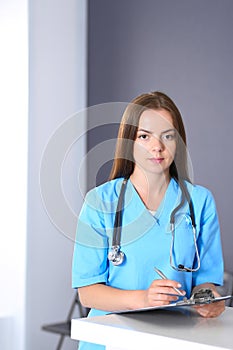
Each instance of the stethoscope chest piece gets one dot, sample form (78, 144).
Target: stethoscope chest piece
(116, 256)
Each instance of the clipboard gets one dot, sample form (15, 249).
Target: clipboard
(203, 296)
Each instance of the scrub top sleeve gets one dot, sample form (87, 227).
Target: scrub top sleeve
(90, 264)
(209, 246)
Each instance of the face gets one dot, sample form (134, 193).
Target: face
(155, 144)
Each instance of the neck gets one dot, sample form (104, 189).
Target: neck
(150, 182)
(150, 187)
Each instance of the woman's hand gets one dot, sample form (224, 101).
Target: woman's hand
(161, 292)
(213, 309)
(210, 310)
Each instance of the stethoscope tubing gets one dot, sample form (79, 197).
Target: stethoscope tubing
(116, 256)
(118, 217)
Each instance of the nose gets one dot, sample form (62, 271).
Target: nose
(157, 145)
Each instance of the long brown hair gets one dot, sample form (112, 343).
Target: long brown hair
(123, 165)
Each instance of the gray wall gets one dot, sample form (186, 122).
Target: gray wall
(181, 47)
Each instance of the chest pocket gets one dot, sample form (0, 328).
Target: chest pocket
(183, 248)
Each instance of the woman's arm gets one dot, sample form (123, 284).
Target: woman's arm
(213, 309)
(102, 297)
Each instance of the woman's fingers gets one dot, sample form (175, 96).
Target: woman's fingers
(210, 310)
(162, 292)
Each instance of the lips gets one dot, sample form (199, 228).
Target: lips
(156, 160)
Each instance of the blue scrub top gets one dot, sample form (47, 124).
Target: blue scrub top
(145, 240)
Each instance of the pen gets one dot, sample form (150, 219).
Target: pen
(161, 274)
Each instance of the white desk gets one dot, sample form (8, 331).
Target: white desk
(178, 329)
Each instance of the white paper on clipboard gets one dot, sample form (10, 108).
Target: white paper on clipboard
(187, 302)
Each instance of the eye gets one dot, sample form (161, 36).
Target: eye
(169, 136)
(143, 137)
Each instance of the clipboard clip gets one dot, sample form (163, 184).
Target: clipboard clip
(202, 296)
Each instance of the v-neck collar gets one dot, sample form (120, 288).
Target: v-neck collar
(137, 220)
(170, 200)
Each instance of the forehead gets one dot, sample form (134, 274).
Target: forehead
(156, 120)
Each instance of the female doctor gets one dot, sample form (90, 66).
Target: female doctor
(163, 221)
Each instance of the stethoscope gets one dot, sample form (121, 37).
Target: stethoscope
(117, 256)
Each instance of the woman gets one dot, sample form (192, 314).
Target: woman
(150, 166)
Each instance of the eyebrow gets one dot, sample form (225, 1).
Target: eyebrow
(150, 132)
